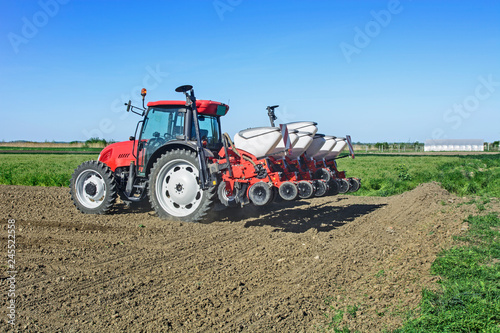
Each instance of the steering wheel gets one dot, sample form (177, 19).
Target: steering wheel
(155, 142)
(168, 137)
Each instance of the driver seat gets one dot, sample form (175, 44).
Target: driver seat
(203, 134)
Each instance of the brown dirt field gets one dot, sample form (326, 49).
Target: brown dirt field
(287, 268)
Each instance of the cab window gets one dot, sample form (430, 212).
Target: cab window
(209, 131)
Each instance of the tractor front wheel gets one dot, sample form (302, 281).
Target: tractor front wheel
(93, 188)
(174, 189)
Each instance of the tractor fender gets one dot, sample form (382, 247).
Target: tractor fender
(172, 145)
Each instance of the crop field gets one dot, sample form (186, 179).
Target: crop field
(417, 249)
(48, 150)
(39, 169)
(384, 175)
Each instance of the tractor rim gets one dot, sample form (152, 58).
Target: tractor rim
(90, 189)
(177, 188)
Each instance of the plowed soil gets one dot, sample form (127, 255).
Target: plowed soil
(289, 267)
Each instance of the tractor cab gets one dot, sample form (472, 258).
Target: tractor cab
(167, 126)
(167, 123)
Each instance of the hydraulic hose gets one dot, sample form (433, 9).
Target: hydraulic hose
(228, 140)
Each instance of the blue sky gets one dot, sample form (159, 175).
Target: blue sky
(393, 71)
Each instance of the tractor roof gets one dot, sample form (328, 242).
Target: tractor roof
(206, 107)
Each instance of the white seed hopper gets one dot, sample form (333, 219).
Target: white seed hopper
(258, 141)
(317, 143)
(339, 146)
(303, 126)
(328, 145)
(279, 150)
(305, 140)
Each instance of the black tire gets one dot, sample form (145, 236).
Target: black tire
(321, 188)
(228, 201)
(344, 185)
(306, 189)
(260, 194)
(288, 191)
(276, 195)
(334, 187)
(93, 188)
(174, 190)
(323, 174)
(355, 184)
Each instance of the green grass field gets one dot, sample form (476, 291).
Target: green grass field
(385, 175)
(39, 169)
(42, 149)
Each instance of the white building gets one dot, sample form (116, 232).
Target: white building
(454, 145)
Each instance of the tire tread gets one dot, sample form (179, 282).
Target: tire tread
(205, 207)
(108, 177)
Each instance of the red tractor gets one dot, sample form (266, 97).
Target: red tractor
(180, 160)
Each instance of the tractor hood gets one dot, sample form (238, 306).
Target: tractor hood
(118, 154)
(206, 107)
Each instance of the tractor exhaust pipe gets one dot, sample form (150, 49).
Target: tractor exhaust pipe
(202, 163)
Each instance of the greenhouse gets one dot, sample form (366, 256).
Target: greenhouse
(454, 145)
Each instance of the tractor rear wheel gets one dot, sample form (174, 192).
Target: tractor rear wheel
(174, 189)
(93, 188)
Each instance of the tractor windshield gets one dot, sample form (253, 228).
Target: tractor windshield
(163, 124)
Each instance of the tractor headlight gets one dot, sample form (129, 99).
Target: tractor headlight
(105, 155)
